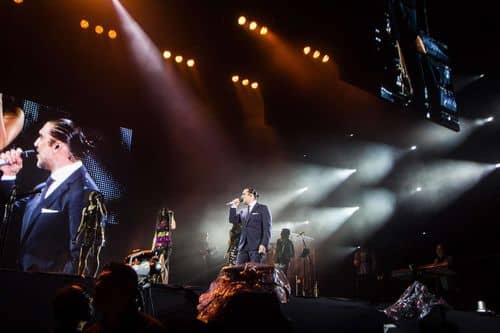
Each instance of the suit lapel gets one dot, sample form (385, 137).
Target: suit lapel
(36, 205)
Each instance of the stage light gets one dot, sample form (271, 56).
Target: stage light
(253, 25)
(190, 63)
(235, 78)
(480, 76)
(481, 122)
(242, 20)
(167, 54)
(245, 82)
(351, 135)
(497, 165)
(418, 189)
(254, 85)
(306, 222)
(18, 1)
(307, 49)
(84, 24)
(316, 54)
(325, 58)
(178, 59)
(112, 34)
(263, 30)
(302, 190)
(413, 148)
(99, 29)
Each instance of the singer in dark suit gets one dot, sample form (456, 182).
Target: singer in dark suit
(52, 215)
(256, 221)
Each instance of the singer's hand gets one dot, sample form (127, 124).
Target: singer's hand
(262, 249)
(235, 202)
(12, 156)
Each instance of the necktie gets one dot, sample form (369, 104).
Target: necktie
(49, 182)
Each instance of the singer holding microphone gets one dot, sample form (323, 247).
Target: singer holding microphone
(255, 220)
(53, 213)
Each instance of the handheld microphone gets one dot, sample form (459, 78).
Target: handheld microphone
(230, 202)
(24, 154)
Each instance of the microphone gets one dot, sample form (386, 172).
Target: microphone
(24, 154)
(230, 202)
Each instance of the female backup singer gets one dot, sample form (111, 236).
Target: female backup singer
(162, 242)
(90, 235)
(11, 120)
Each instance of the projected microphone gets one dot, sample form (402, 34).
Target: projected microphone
(230, 202)
(24, 154)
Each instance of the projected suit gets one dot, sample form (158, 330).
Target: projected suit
(52, 216)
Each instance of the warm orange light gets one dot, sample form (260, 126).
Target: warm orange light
(112, 34)
(178, 59)
(245, 82)
(84, 24)
(18, 1)
(325, 58)
(316, 54)
(235, 78)
(307, 50)
(99, 29)
(253, 25)
(190, 63)
(263, 30)
(254, 85)
(242, 20)
(167, 54)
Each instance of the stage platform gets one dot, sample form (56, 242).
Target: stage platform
(25, 304)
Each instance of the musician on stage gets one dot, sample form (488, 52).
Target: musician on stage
(162, 241)
(284, 250)
(442, 283)
(365, 266)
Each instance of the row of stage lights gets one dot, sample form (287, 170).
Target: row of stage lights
(99, 29)
(245, 82)
(178, 58)
(253, 26)
(316, 54)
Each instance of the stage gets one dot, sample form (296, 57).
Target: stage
(25, 304)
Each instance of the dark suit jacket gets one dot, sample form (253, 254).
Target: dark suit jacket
(255, 228)
(46, 237)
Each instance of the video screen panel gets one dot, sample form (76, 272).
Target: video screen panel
(107, 163)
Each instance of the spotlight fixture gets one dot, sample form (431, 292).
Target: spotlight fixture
(242, 20)
(178, 59)
(112, 34)
(325, 58)
(235, 78)
(18, 1)
(84, 24)
(167, 54)
(263, 30)
(413, 148)
(99, 29)
(190, 63)
(245, 82)
(418, 189)
(316, 54)
(253, 25)
(307, 50)
(254, 85)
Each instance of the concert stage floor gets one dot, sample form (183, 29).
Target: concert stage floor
(25, 305)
